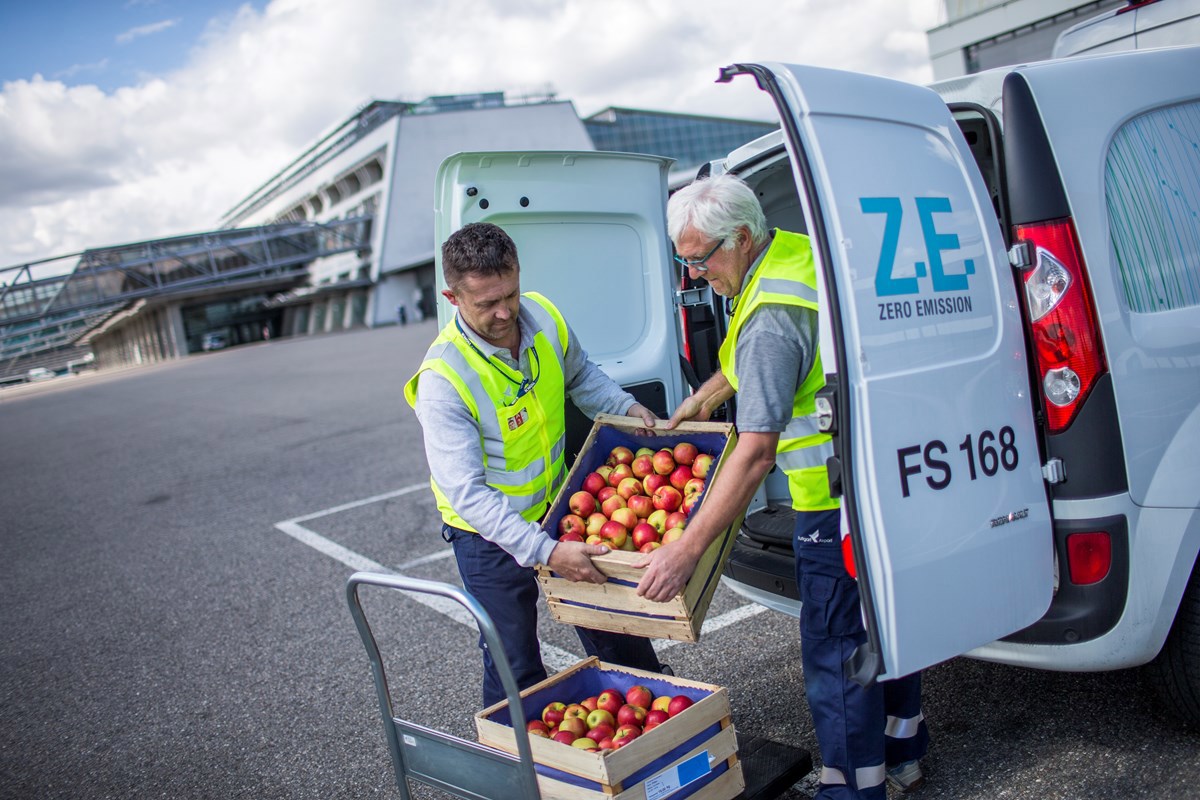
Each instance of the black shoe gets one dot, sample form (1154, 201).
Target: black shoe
(665, 669)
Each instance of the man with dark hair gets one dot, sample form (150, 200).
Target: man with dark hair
(491, 397)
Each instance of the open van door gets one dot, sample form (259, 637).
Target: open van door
(591, 235)
(933, 425)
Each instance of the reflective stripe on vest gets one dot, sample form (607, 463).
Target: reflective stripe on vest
(523, 439)
(786, 275)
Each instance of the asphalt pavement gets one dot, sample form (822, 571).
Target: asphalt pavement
(176, 541)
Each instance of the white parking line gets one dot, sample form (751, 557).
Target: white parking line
(556, 659)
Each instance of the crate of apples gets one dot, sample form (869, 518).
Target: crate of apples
(603, 731)
(637, 500)
(635, 491)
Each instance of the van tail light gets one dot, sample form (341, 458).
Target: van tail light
(1061, 319)
(1089, 557)
(848, 556)
(685, 326)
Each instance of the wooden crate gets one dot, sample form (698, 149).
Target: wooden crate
(695, 751)
(615, 605)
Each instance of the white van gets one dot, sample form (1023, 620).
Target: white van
(1011, 284)
(1137, 25)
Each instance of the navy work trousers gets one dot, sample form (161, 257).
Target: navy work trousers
(861, 731)
(509, 593)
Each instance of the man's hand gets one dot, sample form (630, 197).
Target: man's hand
(648, 417)
(572, 560)
(668, 569)
(691, 408)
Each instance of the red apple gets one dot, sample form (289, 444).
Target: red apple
(655, 717)
(693, 486)
(594, 523)
(619, 742)
(607, 744)
(589, 704)
(642, 533)
(627, 731)
(680, 476)
(572, 537)
(639, 696)
(574, 710)
(593, 483)
(650, 547)
(612, 504)
(664, 462)
(614, 534)
(584, 743)
(641, 504)
(620, 455)
(630, 715)
(626, 517)
(572, 523)
(660, 703)
(595, 538)
(604, 470)
(652, 482)
(676, 519)
(619, 473)
(538, 728)
(566, 737)
(601, 731)
(630, 486)
(701, 465)
(605, 493)
(611, 701)
(685, 453)
(643, 451)
(689, 503)
(678, 703)
(552, 714)
(672, 534)
(642, 466)
(657, 518)
(667, 497)
(574, 726)
(602, 716)
(582, 503)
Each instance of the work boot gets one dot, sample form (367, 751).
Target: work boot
(907, 777)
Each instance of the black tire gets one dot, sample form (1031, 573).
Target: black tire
(1175, 672)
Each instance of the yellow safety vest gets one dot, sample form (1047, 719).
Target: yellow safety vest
(523, 434)
(787, 276)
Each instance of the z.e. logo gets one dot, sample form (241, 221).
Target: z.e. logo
(888, 284)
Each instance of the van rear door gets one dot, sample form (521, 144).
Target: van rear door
(590, 230)
(942, 486)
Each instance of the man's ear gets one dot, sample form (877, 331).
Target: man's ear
(449, 295)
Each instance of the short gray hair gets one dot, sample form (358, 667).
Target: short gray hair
(716, 207)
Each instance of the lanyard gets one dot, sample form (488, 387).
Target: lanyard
(525, 385)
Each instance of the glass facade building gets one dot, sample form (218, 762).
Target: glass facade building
(689, 139)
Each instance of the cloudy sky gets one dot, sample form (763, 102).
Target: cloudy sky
(123, 120)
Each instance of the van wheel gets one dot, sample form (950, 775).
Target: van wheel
(1175, 673)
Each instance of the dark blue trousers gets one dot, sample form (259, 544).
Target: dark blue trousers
(860, 731)
(509, 593)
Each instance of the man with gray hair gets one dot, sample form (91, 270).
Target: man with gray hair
(771, 359)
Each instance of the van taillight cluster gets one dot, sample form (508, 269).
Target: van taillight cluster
(1089, 557)
(1061, 318)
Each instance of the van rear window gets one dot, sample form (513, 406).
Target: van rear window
(1152, 190)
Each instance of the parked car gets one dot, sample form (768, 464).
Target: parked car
(40, 374)
(1012, 299)
(214, 340)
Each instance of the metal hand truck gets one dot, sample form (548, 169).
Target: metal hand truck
(459, 767)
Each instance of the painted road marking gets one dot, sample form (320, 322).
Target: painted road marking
(555, 658)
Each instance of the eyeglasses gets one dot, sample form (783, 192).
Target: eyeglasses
(698, 263)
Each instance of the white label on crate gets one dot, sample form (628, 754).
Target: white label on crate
(675, 778)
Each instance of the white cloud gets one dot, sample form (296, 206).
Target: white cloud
(145, 30)
(83, 168)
